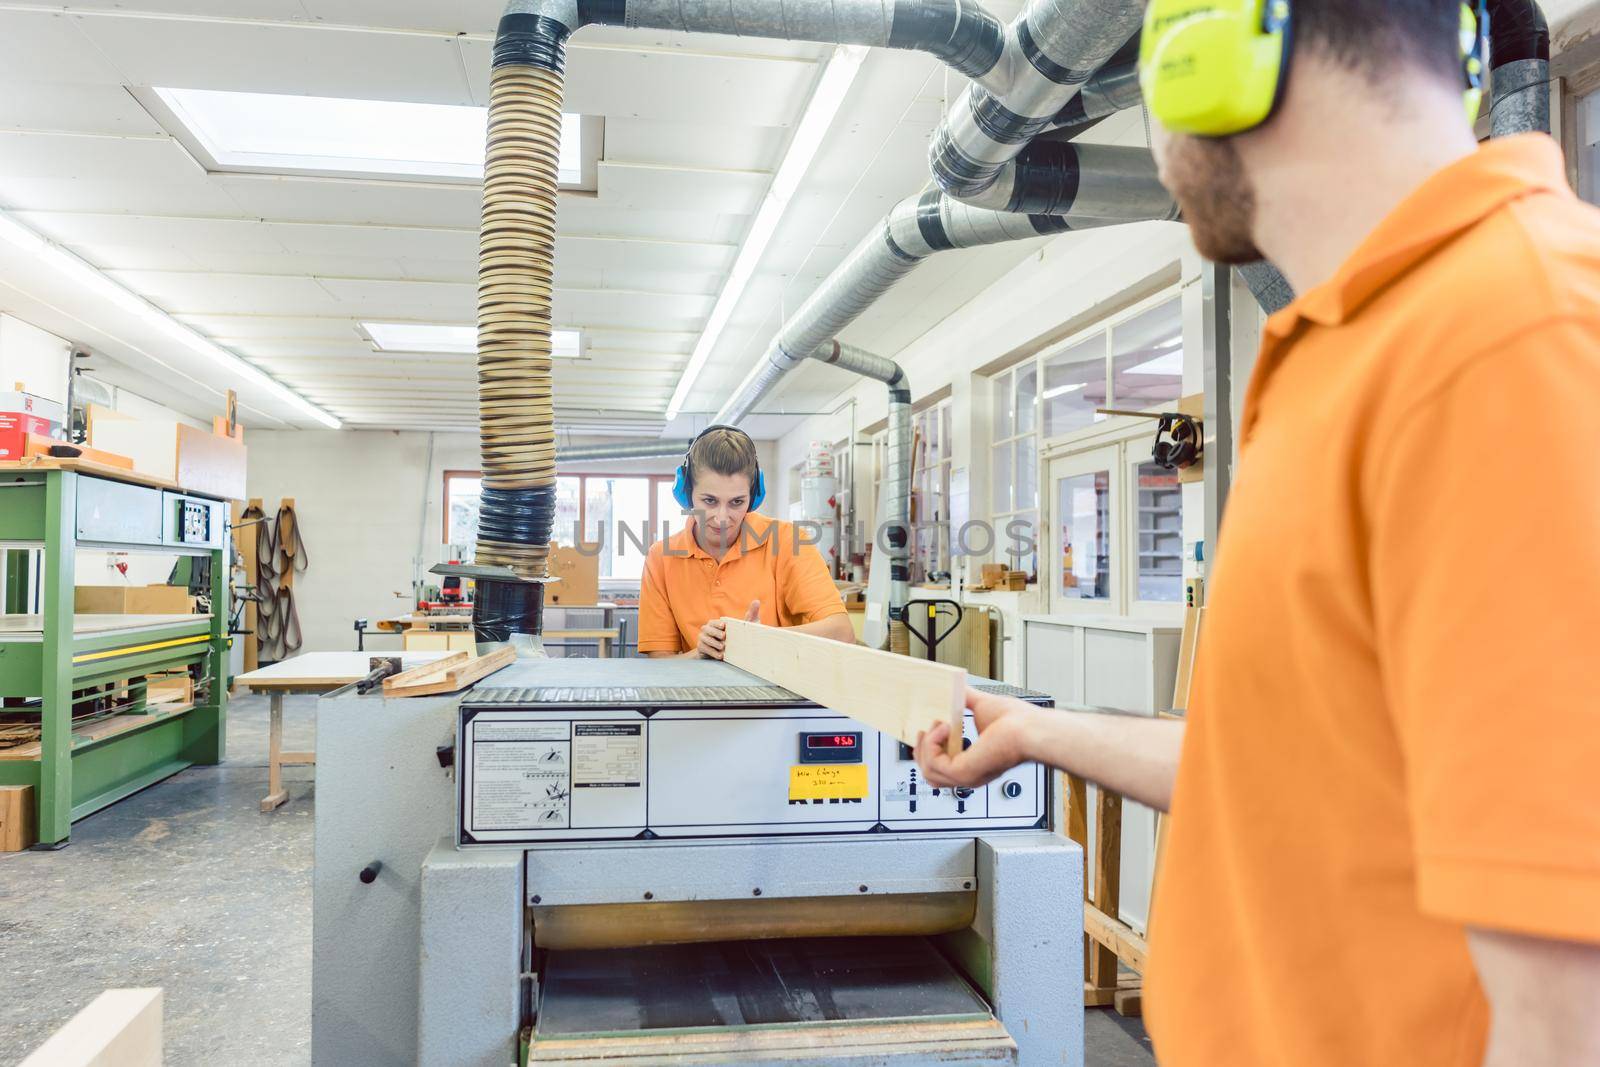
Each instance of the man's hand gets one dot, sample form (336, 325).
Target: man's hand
(1004, 725)
(714, 634)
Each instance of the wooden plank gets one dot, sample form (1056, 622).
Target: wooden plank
(119, 1028)
(458, 677)
(1107, 881)
(425, 672)
(16, 818)
(84, 466)
(898, 695)
(1095, 997)
(1118, 936)
(322, 671)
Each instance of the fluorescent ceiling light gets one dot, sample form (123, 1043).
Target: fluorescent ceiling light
(836, 80)
(1170, 364)
(335, 135)
(90, 278)
(1063, 390)
(458, 340)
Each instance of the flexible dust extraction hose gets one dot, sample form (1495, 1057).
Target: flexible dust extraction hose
(515, 286)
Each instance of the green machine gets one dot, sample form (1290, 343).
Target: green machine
(74, 719)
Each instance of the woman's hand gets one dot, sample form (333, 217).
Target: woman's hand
(714, 634)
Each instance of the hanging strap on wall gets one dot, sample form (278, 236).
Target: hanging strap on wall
(288, 638)
(290, 544)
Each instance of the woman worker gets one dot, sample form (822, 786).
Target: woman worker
(729, 561)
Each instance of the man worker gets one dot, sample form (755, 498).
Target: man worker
(1385, 835)
(730, 561)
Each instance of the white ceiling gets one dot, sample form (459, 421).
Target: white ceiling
(281, 268)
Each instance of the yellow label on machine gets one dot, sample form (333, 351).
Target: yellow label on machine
(828, 781)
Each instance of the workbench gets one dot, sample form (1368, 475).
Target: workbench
(310, 673)
(52, 658)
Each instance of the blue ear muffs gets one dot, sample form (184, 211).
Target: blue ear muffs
(681, 484)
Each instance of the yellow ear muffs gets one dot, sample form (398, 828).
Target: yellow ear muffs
(1474, 54)
(1214, 69)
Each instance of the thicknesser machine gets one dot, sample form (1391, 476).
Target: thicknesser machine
(638, 862)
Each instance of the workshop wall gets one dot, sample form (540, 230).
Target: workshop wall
(370, 505)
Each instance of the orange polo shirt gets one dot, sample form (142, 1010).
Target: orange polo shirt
(1394, 733)
(683, 588)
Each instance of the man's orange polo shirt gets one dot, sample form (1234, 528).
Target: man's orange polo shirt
(684, 588)
(1395, 733)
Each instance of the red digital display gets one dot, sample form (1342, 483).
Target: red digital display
(830, 740)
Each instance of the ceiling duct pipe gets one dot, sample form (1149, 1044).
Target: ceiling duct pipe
(915, 228)
(625, 450)
(961, 33)
(1052, 177)
(1114, 87)
(1051, 49)
(1519, 59)
(895, 524)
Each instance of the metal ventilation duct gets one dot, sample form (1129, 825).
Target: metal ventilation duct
(920, 226)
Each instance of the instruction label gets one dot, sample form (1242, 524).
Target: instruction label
(519, 731)
(828, 781)
(607, 755)
(521, 785)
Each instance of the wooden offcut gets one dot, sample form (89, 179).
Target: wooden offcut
(119, 1028)
(897, 695)
(447, 675)
(16, 818)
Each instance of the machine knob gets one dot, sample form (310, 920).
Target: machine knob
(962, 792)
(1011, 790)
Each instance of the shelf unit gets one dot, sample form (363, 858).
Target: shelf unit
(1160, 529)
(54, 656)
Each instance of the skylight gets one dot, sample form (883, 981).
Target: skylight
(459, 340)
(273, 133)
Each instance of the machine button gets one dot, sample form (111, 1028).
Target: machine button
(962, 792)
(1011, 790)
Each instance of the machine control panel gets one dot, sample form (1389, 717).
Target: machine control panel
(614, 770)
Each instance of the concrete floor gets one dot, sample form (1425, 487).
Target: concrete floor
(189, 887)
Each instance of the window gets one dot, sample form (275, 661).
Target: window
(930, 491)
(1014, 463)
(338, 136)
(1115, 537)
(1147, 358)
(1588, 147)
(1132, 362)
(593, 503)
(1158, 529)
(462, 491)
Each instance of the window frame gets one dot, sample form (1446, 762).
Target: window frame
(1109, 427)
(653, 493)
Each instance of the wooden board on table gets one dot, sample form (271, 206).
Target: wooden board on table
(897, 695)
(84, 466)
(119, 1028)
(324, 671)
(443, 678)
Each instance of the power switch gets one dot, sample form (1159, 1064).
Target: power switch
(1011, 790)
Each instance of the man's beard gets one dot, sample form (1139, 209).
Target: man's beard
(1208, 181)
